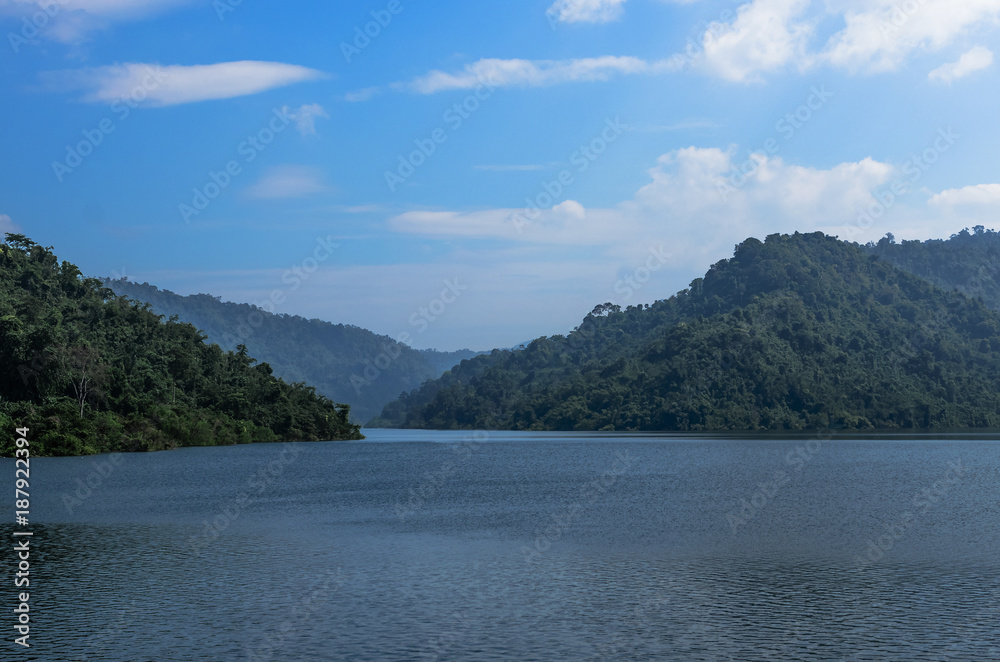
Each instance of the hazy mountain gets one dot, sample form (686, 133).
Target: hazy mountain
(796, 332)
(343, 362)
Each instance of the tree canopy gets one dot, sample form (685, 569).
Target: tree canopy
(798, 331)
(90, 371)
(344, 362)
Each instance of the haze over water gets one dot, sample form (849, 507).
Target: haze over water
(527, 546)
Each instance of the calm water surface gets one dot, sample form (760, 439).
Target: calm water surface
(520, 546)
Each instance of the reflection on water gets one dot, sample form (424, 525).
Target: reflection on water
(527, 547)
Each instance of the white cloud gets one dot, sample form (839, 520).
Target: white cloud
(362, 95)
(880, 35)
(877, 35)
(973, 60)
(981, 194)
(305, 117)
(157, 85)
(288, 182)
(586, 11)
(534, 73)
(684, 204)
(763, 37)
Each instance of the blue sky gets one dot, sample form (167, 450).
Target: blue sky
(480, 174)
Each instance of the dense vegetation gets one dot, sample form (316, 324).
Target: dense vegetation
(344, 363)
(89, 371)
(796, 332)
(968, 262)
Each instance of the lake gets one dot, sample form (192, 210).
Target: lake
(520, 546)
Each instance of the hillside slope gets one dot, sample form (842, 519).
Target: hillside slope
(345, 363)
(90, 372)
(968, 262)
(796, 332)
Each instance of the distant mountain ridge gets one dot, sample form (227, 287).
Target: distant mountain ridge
(344, 363)
(968, 262)
(799, 331)
(88, 372)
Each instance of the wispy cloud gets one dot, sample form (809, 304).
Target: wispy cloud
(288, 182)
(973, 60)
(157, 85)
(586, 11)
(73, 21)
(362, 95)
(535, 73)
(305, 117)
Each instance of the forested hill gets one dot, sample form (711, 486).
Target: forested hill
(345, 363)
(88, 372)
(800, 331)
(968, 261)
